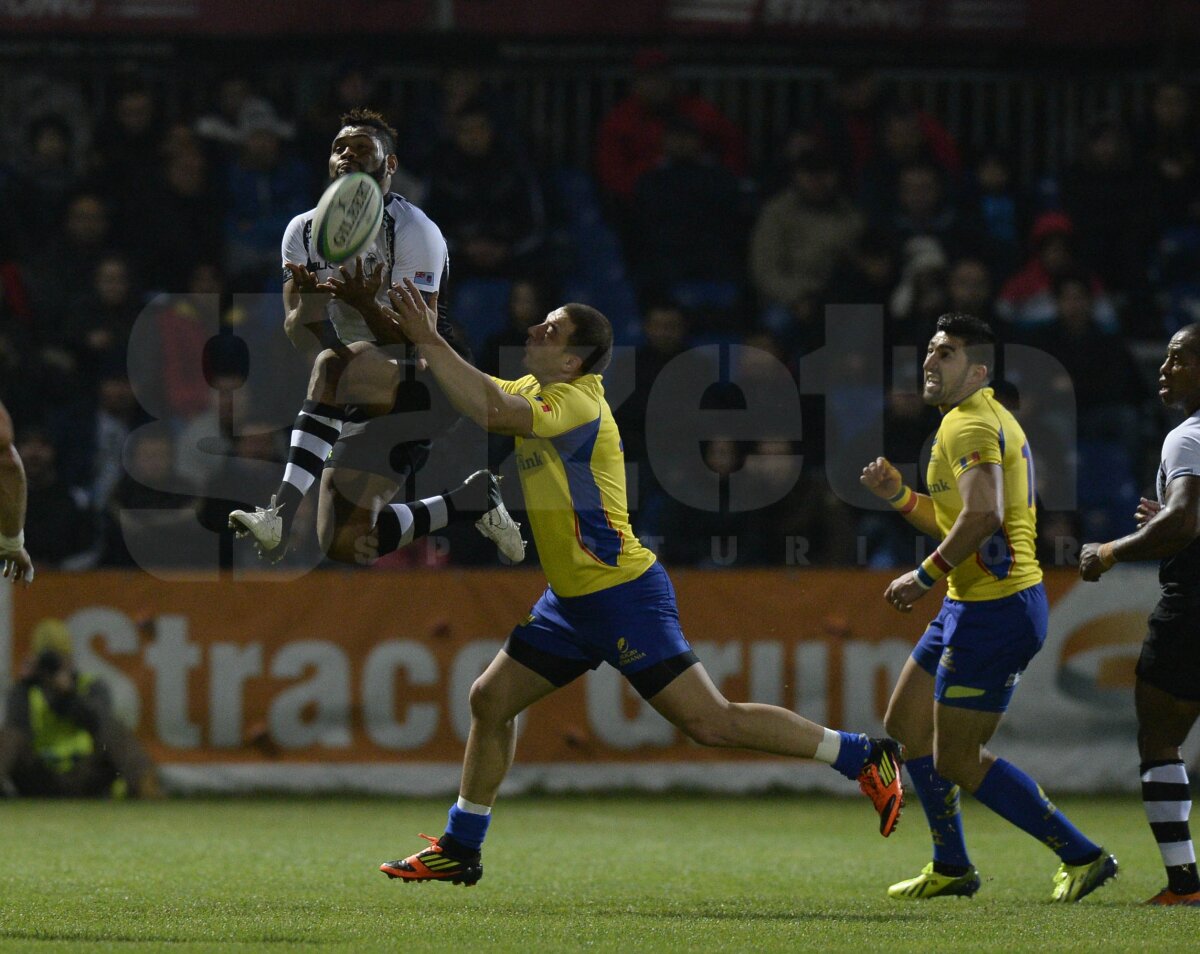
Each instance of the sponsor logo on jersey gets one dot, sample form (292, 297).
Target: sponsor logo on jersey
(423, 278)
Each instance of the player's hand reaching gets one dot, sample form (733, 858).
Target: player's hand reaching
(881, 478)
(416, 317)
(17, 565)
(1146, 511)
(304, 280)
(358, 290)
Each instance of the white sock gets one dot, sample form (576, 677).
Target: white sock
(830, 746)
(472, 808)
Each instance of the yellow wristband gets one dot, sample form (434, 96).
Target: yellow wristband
(905, 500)
(933, 569)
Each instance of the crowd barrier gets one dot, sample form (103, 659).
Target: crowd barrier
(359, 681)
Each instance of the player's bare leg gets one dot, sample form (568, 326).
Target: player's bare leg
(506, 689)
(1164, 721)
(910, 719)
(314, 433)
(693, 703)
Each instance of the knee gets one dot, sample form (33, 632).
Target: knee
(488, 704)
(354, 546)
(715, 728)
(327, 370)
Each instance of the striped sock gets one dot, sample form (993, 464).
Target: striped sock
(316, 430)
(1168, 802)
(401, 524)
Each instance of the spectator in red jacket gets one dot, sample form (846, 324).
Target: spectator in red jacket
(630, 141)
(1027, 299)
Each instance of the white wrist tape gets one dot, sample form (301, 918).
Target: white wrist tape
(13, 543)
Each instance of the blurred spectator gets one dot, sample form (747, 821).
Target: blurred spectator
(630, 141)
(239, 108)
(127, 150)
(712, 536)
(664, 341)
(864, 120)
(101, 316)
(1108, 202)
(58, 522)
(806, 523)
(54, 273)
(264, 189)
(53, 174)
(799, 236)
(150, 501)
(1169, 145)
(180, 219)
(686, 216)
(527, 306)
(920, 207)
(485, 201)
(1027, 299)
(90, 436)
(920, 295)
(993, 204)
(1102, 375)
(204, 442)
(434, 113)
(60, 736)
(969, 289)
(868, 274)
(903, 140)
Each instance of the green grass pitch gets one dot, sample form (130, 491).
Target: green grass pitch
(662, 873)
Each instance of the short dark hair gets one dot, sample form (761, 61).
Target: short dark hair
(373, 120)
(975, 333)
(591, 339)
(1191, 335)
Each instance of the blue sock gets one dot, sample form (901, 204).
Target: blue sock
(939, 798)
(853, 754)
(467, 828)
(1017, 798)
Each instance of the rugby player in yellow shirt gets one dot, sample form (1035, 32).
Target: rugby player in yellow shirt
(608, 598)
(956, 686)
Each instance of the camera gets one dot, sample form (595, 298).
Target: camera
(48, 664)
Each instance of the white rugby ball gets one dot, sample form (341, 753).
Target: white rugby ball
(347, 217)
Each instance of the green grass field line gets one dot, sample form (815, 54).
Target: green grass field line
(660, 873)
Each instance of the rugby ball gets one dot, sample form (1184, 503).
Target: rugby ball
(347, 217)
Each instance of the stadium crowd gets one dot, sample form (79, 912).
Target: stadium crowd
(155, 216)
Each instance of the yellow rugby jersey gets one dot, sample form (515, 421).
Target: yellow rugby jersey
(573, 475)
(980, 430)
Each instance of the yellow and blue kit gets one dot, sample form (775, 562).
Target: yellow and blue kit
(608, 598)
(994, 618)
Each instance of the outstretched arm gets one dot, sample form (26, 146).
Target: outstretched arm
(13, 556)
(1162, 532)
(473, 393)
(304, 309)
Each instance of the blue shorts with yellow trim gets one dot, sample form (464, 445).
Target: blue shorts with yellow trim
(976, 651)
(633, 626)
